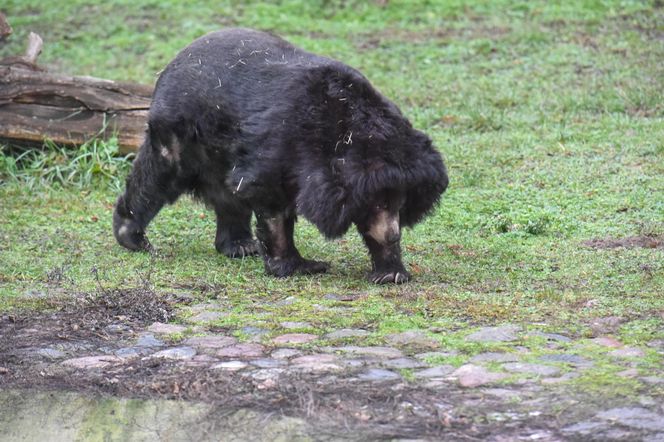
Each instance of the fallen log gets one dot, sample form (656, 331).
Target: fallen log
(36, 105)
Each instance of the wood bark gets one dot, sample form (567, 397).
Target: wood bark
(36, 105)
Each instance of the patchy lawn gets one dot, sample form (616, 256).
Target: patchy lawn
(551, 120)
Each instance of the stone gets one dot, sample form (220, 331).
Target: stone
(629, 373)
(346, 333)
(285, 353)
(414, 339)
(159, 328)
(50, 353)
(176, 353)
(634, 417)
(316, 363)
(432, 355)
(266, 378)
(148, 340)
(116, 328)
(505, 333)
(494, 357)
(206, 316)
(267, 363)
(609, 324)
(585, 428)
(210, 342)
(560, 379)
(255, 332)
(294, 325)
(285, 302)
(378, 375)
(502, 393)
(653, 380)
(294, 338)
(230, 366)
(403, 363)
(527, 368)
(248, 350)
(607, 341)
(130, 352)
(434, 372)
(377, 352)
(550, 336)
(566, 359)
(89, 362)
(470, 376)
(627, 352)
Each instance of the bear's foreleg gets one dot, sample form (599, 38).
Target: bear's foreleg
(233, 237)
(151, 184)
(281, 258)
(386, 265)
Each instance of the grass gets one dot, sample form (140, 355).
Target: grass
(550, 116)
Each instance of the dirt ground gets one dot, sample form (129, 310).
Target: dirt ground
(339, 404)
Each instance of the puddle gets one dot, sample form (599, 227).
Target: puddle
(28, 415)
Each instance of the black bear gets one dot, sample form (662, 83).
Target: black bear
(249, 123)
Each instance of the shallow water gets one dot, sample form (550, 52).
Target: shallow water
(27, 415)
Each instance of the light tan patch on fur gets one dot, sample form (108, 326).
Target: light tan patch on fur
(172, 154)
(384, 225)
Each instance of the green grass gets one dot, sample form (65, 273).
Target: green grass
(550, 116)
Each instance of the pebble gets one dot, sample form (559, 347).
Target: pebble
(378, 352)
(429, 355)
(207, 316)
(129, 352)
(346, 333)
(627, 352)
(249, 350)
(527, 368)
(494, 357)
(316, 363)
(148, 340)
(160, 328)
(176, 353)
(378, 375)
(267, 363)
(294, 338)
(294, 325)
(403, 363)
(230, 365)
(566, 359)
(285, 353)
(505, 333)
(607, 341)
(413, 339)
(210, 342)
(89, 362)
(434, 372)
(560, 379)
(51, 353)
(470, 376)
(550, 336)
(634, 417)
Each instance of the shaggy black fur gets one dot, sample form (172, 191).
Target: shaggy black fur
(249, 123)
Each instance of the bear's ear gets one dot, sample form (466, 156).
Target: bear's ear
(324, 203)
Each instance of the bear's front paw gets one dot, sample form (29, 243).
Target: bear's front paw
(238, 249)
(129, 234)
(390, 277)
(283, 267)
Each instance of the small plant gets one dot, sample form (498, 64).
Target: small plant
(95, 162)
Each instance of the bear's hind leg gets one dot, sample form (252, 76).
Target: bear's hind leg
(233, 237)
(275, 233)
